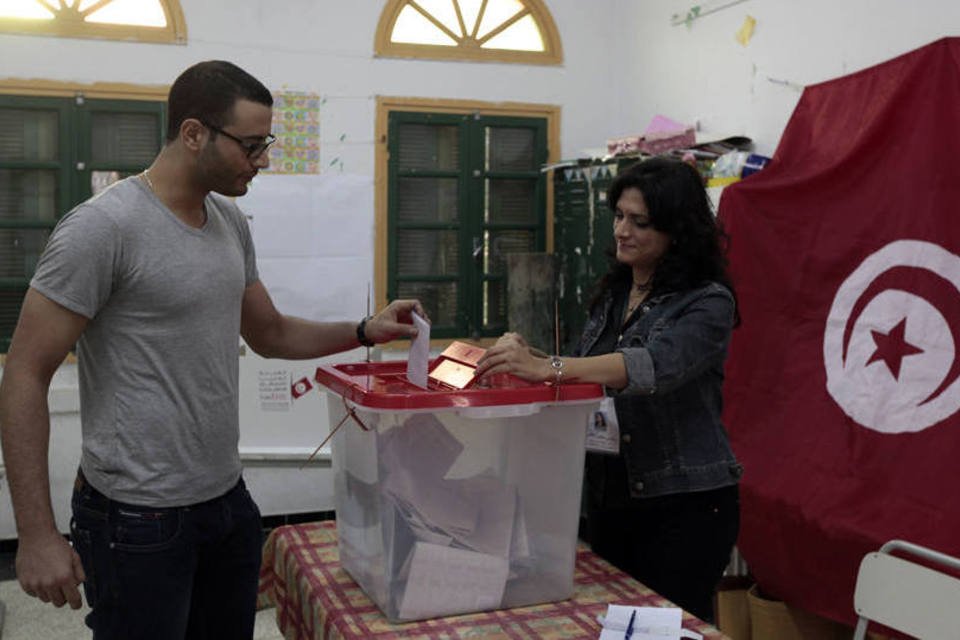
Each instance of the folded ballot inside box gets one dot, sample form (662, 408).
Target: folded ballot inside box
(453, 499)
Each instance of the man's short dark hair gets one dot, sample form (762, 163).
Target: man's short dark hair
(207, 91)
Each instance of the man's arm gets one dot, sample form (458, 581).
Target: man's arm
(46, 565)
(274, 335)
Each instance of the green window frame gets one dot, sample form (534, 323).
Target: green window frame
(52, 151)
(463, 191)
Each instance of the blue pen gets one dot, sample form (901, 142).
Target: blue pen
(633, 615)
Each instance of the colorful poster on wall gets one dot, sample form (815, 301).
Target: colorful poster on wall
(296, 123)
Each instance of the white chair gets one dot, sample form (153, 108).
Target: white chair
(905, 596)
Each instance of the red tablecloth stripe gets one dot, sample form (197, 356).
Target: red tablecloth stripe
(317, 599)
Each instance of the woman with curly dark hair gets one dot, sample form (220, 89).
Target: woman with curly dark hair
(661, 490)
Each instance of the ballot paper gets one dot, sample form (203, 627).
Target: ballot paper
(497, 503)
(419, 356)
(421, 437)
(444, 581)
(649, 623)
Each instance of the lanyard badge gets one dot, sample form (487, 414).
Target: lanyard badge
(603, 430)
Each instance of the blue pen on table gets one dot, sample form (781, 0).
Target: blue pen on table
(633, 615)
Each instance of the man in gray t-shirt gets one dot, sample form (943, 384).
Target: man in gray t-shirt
(154, 280)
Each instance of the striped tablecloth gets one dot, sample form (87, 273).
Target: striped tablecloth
(317, 599)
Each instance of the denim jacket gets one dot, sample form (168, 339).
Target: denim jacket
(671, 437)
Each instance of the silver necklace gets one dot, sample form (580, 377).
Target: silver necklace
(146, 178)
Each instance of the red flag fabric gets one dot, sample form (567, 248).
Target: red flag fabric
(300, 387)
(842, 394)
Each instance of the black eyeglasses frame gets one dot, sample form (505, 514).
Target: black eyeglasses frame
(253, 149)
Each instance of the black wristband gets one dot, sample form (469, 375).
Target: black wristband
(362, 333)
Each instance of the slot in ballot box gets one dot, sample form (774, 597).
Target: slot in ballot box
(453, 500)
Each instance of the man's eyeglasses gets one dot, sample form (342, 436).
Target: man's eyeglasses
(254, 149)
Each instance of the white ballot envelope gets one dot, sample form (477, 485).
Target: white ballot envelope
(445, 581)
(419, 357)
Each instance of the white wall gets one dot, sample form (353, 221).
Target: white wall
(327, 47)
(323, 47)
(702, 73)
(623, 63)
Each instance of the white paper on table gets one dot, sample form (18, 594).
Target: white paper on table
(419, 356)
(651, 623)
(444, 581)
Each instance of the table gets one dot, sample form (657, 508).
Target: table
(316, 599)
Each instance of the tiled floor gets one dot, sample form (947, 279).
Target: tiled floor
(7, 557)
(26, 618)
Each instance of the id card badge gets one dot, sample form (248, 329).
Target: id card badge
(603, 431)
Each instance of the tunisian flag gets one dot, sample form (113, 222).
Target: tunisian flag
(843, 383)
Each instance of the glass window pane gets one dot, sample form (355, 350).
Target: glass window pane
(427, 253)
(28, 135)
(138, 12)
(25, 9)
(511, 201)
(500, 243)
(428, 200)
(100, 180)
(511, 149)
(470, 10)
(28, 194)
(496, 12)
(412, 26)
(124, 138)
(444, 12)
(430, 147)
(10, 301)
(494, 303)
(20, 250)
(438, 298)
(522, 35)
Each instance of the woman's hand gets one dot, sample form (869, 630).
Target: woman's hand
(512, 338)
(512, 354)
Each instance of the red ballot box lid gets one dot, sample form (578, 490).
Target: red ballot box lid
(384, 385)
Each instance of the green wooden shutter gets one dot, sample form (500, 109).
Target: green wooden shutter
(35, 160)
(512, 209)
(53, 152)
(463, 190)
(427, 204)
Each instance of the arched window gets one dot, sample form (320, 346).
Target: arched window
(143, 20)
(483, 30)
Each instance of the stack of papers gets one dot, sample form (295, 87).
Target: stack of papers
(455, 541)
(649, 623)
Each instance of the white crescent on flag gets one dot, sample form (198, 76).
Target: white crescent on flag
(890, 354)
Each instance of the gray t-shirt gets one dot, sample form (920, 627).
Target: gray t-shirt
(158, 361)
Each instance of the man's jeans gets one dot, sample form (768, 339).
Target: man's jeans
(168, 573)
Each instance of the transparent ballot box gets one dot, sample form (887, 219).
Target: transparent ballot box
(454, 500)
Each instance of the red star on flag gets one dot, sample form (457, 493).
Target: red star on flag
(892, 347)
